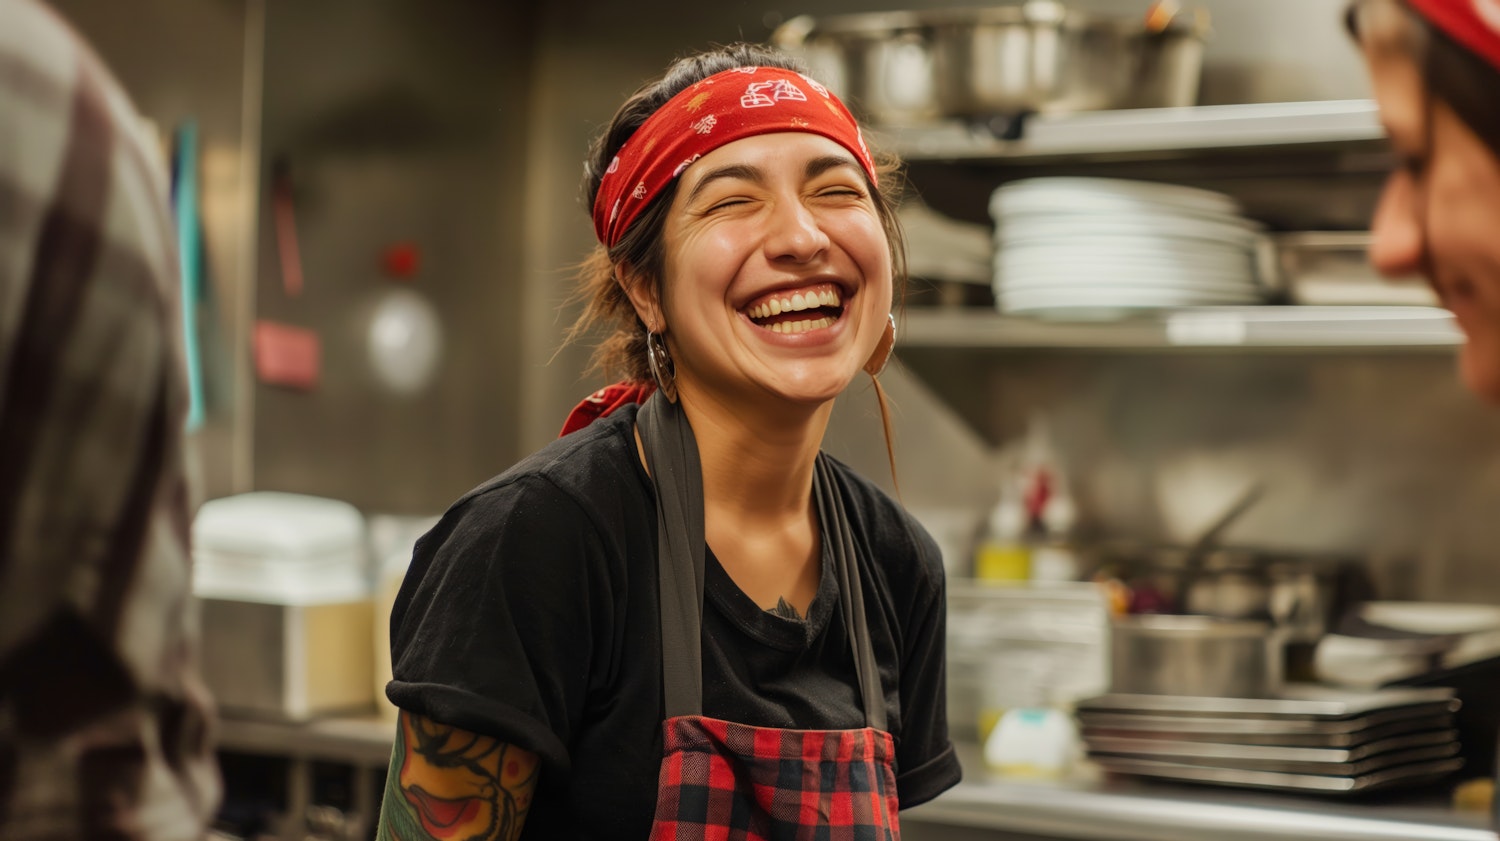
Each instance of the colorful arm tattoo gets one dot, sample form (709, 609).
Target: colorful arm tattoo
(447, 784)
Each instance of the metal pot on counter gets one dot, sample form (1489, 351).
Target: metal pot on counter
(1194, 655)
(904, 68)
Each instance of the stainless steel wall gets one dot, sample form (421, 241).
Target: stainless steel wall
(402, 121)
(399, 121)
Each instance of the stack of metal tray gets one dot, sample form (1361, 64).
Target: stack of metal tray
(1308, 738)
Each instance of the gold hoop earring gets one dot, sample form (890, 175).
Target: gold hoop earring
(876, 363)
(660, 363)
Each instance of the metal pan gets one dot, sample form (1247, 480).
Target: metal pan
(1237, 755)
(1130, 729)
(1401, 775)
(1292, 701)
(1368, 765)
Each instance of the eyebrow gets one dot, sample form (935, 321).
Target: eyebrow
(818, 166)
(815, 167)
(741, 171)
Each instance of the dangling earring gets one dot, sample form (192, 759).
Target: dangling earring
(876, 363)
(661, 366)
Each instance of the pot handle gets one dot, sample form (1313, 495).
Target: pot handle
(792, 34)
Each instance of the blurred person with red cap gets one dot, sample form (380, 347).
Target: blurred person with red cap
(1435, 68)
(104, 724)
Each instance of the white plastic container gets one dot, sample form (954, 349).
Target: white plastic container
(286, 605)
(280, 548)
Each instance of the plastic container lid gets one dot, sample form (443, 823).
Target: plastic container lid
(278, 526)
(280, 548)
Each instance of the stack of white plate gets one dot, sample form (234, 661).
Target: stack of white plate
(1082, 248)
(1309, 738)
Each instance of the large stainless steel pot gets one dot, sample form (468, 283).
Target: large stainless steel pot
(902, 68)
(1194, 655)
(880, 64)
(1042, 57)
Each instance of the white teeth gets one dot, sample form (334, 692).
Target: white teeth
(798, 302)
(801, 326)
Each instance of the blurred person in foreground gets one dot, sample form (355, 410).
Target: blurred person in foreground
(103, 724)
(1435, 68)
(683, 619)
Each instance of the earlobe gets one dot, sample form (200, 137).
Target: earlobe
(882, 354)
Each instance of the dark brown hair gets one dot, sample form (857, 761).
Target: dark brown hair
(622, 352)
(1451, 72)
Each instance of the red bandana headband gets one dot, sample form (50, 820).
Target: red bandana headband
(721, 109)
(1472, 23)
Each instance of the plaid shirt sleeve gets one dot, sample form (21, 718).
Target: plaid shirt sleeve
(103, 723)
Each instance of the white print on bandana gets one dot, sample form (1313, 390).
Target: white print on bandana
(746, 70)
(639, 192)
(706, 125)
(614, 211)
(684, 165)
(1489, 12)
(613, 165)
(815, 86)
(762, 94)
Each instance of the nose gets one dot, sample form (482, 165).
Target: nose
(794, 233)
(1398, 243)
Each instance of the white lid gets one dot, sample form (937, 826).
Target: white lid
(1008, 519)
(278, 526)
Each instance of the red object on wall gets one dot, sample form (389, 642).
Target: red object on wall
(287, 356)
(401, 260)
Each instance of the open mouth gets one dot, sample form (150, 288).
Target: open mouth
(814, 308)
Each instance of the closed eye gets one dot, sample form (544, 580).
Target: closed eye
(726, 204)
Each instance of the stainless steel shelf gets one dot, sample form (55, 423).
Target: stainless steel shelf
(1243, 328)
(363, 740)
(1147, 130)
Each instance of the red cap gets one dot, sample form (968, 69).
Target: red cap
(1472, 23)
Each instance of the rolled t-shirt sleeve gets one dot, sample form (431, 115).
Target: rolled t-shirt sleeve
(494, 626)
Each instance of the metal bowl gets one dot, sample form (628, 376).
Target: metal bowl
(1041, 57)
(1194, 655)
(904, 68)
(880, 64)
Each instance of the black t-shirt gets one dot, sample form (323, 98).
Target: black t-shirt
(530, 614)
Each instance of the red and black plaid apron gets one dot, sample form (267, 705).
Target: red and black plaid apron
(722, 781)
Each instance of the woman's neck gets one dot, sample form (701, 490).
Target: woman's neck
(757, 462)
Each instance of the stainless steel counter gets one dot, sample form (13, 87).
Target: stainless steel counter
(1099, 809)
(1085, 808)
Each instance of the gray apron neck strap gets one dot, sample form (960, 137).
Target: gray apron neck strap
(672, 458)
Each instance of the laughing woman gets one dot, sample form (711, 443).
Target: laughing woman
(682, 619)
